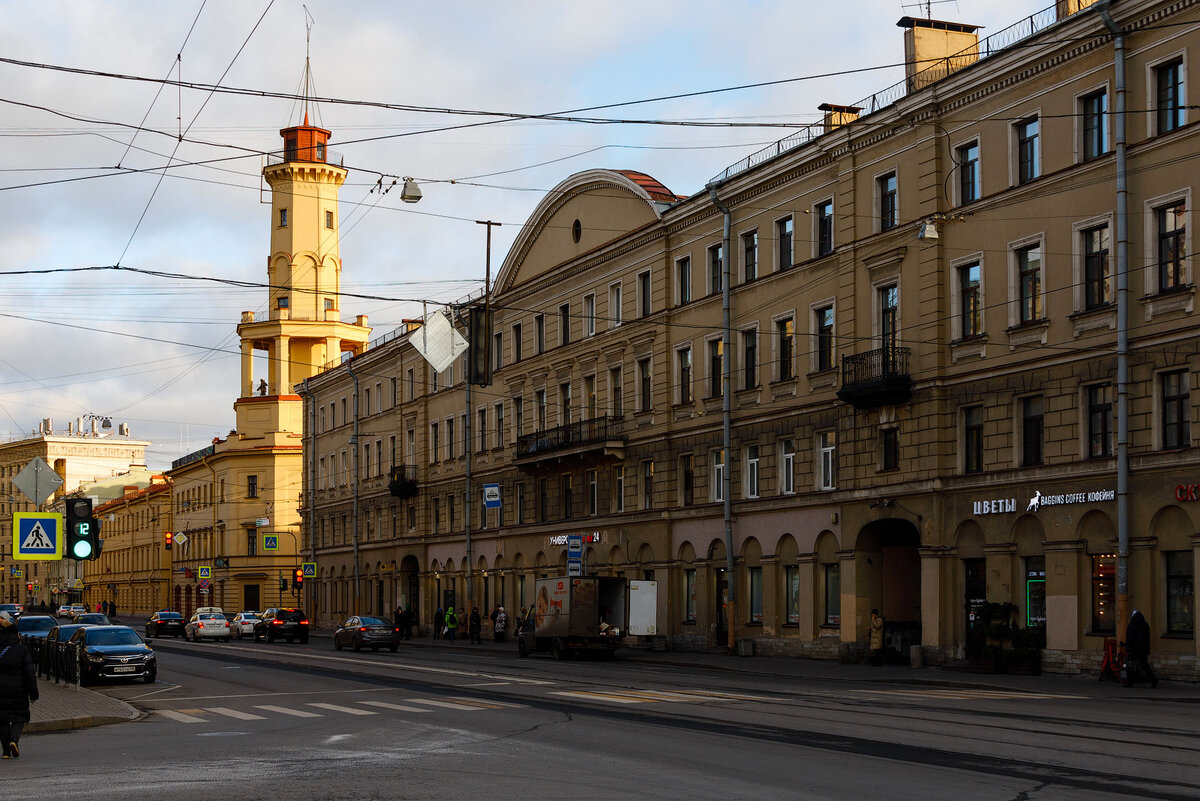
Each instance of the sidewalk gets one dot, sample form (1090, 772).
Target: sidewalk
(65, 706)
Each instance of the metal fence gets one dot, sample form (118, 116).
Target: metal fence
(54, 660)
(597, 429)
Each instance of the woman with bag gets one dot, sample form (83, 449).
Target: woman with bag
(500, 625)
(18, 686)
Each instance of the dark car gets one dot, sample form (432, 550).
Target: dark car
(162, 624)
(366, 632)
(114, 652)
(35, 625)
(92, 619)
(14, 610)
(282, 624)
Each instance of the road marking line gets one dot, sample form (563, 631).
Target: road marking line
(489, 684)
(971, 695)
(347, 709)
(233, 713)
(444, 704)
(616, 699)
(179, 717)
(397, 707)
(403, 666)
(283, 710)
(484, 704)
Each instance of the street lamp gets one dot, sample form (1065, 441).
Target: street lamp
(411, 193)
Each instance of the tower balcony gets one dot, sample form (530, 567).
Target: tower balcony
(315, 155)
(572, 444)
(876, 378)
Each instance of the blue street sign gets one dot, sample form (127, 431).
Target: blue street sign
(491, 496)
(270, 542)
(37, 535)
(309, 568)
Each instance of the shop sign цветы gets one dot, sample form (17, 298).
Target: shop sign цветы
(994, 507)
(1006, 505)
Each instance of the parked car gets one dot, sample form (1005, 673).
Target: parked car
(94, 618)
(76, 609)
(64, 611)
(161, 624)
(360, 632)
(243, 623)
(114, 652)
(207, 626)
(213, 610)
(14, 610)
(282, 624)
(35, 625)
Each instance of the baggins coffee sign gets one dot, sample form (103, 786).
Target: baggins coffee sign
(1008, 505)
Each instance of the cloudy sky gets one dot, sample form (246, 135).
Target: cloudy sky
(81, 184)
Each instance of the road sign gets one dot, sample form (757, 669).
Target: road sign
(205, 583)
(491, 496)
(205, 572)
(309, 568)
(37, 480)
(37, 535)
(180, 539)
(270, 542)
(18, 573)
(574, 554)
(262, 521)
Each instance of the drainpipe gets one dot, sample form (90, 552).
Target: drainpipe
(312, 478)
(726, 409)
(354, 483)
(1122, 317)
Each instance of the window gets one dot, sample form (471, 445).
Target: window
(1093, 109)
(689, 594)
(329, 219)
(518, 416)
(616, 393)
(589, 396)
(715, 269)
(785, 332)
(969, 296)
(619, 488)
(683, 280)
(499, 413)
(539, 401)
(1028, 166)
(1029, 283)
(756, 594)
(1104, 593)
(749, 256)
(283, 218)
(1172, 246)
(687, 480)
(566, 487)
(516, 342)
(284, 301)
(614, 305)
(824, 346)
(1168, 79)
(885, 188)
(589, 315)
(592, 484)
(320, 151)
(564, 403)
(783, 233)
(1032, 431)
(716, 488)
(543, 500)
(715, 367)
(449, 437)
(889, 449)
(968, 173)
(644, 388)
(251, 486)
(973, 439)
(647, 484)
(1035, 591)
(497, 350)
(1176, 410)
(482, 433)
(520, 502)
(824, 224)
(412, 383)
(683, 360)
(787, 472)
(750, 358)
(1099, 410)
(289, 148)
(827, 466)
(1097, 280)
(751, 471)
(791, 590)
(833, 595)
(889, 309)
(564, 323)
(644, 294)
(539, 333)
(1181, 592)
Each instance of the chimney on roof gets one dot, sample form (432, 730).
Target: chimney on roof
(95, 427)
(1065, 8)
(933, 49)
(837, 116)
(48, 424)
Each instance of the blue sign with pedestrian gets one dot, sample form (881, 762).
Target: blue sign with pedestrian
(270, 542)
(37, 535)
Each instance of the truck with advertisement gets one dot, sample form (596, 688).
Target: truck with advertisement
(573, 614)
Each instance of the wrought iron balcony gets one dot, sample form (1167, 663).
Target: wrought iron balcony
(402, 481)
(876, 378)
(598, 437)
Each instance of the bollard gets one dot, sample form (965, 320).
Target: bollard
(916, 658)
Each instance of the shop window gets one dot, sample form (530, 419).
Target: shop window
(1104, 593)
(1035, 591)
(974, 590)
(833, 595)
(1181, 593)
(791, 589)
(689, 595)
(756, 597)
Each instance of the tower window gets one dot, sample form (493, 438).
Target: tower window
(289, 149)
(320, 151)
(329, 219)
(283, 218)
(283, 301)
(328, 304)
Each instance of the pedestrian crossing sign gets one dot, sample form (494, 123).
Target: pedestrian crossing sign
(37, 535)
(309, 568)
(270, 542)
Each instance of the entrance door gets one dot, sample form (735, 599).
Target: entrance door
(722, 585)
(252, 597)
(974, 589)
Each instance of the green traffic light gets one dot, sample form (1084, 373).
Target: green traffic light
(82, 549)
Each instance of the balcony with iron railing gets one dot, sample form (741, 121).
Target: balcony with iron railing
(402, 481)
(598, 438)
(876, 378)
(305, 156)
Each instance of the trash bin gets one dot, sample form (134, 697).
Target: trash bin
(916, 658)
(745, 647)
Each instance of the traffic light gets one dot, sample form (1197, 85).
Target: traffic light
(168, 537)
(29, 587)
(479, 346)
(297, 579)
(82, 531)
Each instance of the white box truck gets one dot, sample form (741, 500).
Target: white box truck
(571, 614)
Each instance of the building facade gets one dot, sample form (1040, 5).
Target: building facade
(134, 568)
(919, 371)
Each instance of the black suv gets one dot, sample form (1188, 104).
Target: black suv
(282, 624)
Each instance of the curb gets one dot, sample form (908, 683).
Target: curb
(77, 722)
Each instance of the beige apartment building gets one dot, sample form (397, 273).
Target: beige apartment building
(922, 377)
(134, 568)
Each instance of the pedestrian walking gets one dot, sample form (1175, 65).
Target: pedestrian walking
(18, 686)
(475, 626)
(1137, 649)
(112, 610)
(876, 638)
(522, 620)
(492, 616)
(500, 625)
(105, 605)
(407, 623)
(439, 623)
(99, 606)
(451, 623)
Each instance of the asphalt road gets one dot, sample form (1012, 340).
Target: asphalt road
(258, 721)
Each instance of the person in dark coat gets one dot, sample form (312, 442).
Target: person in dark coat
(18, 686)
(1137, 649)
(439, 623)
(112, 610)
(475, 626)
(409, 620)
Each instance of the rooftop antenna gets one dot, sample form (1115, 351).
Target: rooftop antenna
(309, 21)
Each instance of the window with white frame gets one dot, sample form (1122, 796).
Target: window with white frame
(614, 305)
(1028, 150)
(752, 471)
(683, 368)
(968, 172)
(716, 483)
(749, 256)
(589, 315)
(644, 294)
(715, 269)
(787, 466)
(499, 415)
(750, 358)
(783, 244)
(887, 202)
(823, 227)
(683, 280)
(827, 460)
(1093, 124)
(1170, 98)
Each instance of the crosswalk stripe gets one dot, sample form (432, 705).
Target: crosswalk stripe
(397, 707)
(233, 713)
(349, 710)
(283, 710)
(445, 704)
(179, 717)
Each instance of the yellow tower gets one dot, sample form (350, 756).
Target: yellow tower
(301, 331)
